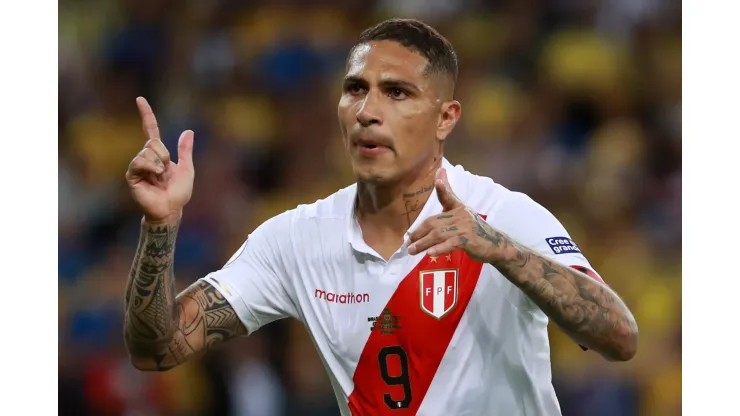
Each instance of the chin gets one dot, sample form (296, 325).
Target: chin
(373, 174)
(370, 176)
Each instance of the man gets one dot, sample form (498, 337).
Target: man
(426, 289)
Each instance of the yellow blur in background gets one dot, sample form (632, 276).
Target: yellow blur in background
(577, 104)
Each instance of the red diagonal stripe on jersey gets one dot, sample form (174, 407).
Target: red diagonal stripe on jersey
(422, 338)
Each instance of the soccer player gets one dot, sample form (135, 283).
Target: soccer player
(425, 288)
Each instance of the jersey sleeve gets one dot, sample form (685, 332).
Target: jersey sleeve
(535, 227)
(255, 279)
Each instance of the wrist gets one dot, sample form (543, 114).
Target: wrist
(497, 256)
(171, 219)
(505, 252)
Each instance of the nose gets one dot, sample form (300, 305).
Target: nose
(369, 113)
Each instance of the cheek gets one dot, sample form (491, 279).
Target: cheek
(345, 115)
(408, 119)
(417, 130)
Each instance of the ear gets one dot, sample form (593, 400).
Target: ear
(449, 115)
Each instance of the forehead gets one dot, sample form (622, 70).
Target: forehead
(386, 59)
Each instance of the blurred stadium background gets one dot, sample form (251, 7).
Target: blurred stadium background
(576, 102)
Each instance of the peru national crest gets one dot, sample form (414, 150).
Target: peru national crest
(438, 291)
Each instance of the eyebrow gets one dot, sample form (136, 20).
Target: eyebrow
(386, 83)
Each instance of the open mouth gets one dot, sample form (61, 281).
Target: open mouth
(371, 149)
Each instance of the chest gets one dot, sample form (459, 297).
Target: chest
(356, 306)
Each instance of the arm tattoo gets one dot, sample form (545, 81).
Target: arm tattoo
(591, 313)
(205, 319)
(162, 331)
(150, 301)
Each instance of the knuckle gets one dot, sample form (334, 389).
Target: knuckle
(161, 148)
(146, 153)
(151, 155)
(157, 146)
(138, 164)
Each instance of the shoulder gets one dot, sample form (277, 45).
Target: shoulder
(483, 194)
(512, 212)
(334, 207)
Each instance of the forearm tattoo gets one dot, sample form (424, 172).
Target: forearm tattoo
(164, 329)
(586, 309)
(150, 296)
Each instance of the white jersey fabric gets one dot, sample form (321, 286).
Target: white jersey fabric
(416, 334)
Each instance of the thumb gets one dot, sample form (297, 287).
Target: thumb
(185, 149)
(444, 192)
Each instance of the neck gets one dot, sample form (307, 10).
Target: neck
(392, 208)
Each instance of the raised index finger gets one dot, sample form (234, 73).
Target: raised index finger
(151, 129)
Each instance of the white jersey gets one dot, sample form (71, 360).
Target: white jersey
(415, 334)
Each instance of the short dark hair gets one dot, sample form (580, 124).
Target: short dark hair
(417, 36)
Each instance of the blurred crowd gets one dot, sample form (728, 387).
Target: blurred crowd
(575, 102)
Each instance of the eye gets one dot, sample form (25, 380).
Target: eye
(397, 93)
(354, 89)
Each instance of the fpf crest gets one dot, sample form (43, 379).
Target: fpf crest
(438, 291)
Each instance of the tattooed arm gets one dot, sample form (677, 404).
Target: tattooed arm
(163, 330)
(583, 307)
(586, 309)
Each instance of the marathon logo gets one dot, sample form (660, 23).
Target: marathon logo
(342, 298)
(562, 245)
